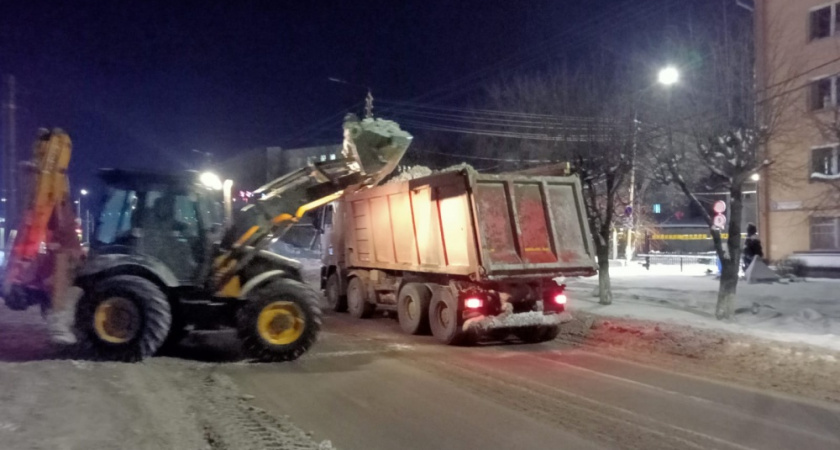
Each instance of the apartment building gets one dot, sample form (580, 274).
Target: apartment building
(798, 75)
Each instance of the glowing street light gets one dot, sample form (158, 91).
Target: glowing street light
(669, 76)
(84, 192)
(755, 177)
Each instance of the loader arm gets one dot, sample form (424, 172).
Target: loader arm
(372, 149)
(46, 249)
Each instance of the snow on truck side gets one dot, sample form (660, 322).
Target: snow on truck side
(460, 253)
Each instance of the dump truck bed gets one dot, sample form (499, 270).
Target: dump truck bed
(469, 224)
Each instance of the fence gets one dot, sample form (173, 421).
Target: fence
(674, 259)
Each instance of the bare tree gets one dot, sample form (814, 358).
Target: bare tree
(721, 138)
(574, 117)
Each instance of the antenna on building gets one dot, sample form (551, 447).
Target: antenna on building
(369, 105)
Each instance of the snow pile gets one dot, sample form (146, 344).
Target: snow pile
(803, 312)
(406, 173)
(457, 167)
(823, 176)
(410, 173)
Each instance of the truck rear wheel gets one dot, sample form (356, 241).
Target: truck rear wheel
(413, 308)
(443, 319)
(123, 318)
(280, 321)
(357, 301)
(335, 301)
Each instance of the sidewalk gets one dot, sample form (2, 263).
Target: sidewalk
(805, 312)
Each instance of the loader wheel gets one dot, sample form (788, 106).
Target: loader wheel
(413, 308)
(335, 301)
(443, 320)
(280, 321)
(357, 302)
(123, 318)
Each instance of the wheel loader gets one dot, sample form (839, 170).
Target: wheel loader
(168, 255)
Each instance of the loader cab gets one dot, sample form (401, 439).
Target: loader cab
(170, 219)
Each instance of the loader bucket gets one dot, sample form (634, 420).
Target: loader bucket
(378, 145)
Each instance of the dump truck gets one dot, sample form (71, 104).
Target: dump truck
(169, 256)
(461, 254)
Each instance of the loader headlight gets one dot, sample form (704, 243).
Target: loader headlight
(211, 180)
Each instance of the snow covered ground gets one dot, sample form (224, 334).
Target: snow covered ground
(806, 311)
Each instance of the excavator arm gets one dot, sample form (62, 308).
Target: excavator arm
(371, 150)
(46, 249)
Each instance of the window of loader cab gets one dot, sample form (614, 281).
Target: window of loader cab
(328, 215)
(115, 220)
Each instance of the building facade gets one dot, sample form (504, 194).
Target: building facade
(798, 76)
(254, 168)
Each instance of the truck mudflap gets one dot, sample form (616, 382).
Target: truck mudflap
(528, 319)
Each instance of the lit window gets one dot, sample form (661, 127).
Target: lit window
(657, 208)
(332, 157)
(323, 158)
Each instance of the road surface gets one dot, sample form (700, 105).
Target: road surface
(367, 386)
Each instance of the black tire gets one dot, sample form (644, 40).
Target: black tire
(413, 308)
(335, 301)
(357, 301)
(140, 329)
(551, 332)
(285, 294)
(177, 333)
(443, 320)
(537, 334)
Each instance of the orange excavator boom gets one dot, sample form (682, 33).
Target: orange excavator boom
(47, 248)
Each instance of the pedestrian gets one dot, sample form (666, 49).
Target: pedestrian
(752, 246)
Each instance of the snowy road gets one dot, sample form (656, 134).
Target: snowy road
(367, 386)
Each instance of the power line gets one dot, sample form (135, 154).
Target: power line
(540, 51)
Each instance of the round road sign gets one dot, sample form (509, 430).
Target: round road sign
(720, 206)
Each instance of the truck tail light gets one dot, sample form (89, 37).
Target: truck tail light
(473, 303)
(560, 299)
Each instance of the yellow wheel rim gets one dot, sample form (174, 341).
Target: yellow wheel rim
(116, 320)
(281, 323)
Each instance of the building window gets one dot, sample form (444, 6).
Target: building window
(332, 157)
(823, 22)
(825, 233)
(825, 163)
(323, 158)
(823, 93)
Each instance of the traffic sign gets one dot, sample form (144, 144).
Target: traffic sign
(720, 221)
(720, 207)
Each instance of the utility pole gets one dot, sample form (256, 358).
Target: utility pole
(10, 157)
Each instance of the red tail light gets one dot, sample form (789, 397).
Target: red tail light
(560, 299)
(473, 303)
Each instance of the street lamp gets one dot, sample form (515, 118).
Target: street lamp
(755, 177)
(83, 193)
(669, 76)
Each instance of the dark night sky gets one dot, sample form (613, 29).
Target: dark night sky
(141, 83)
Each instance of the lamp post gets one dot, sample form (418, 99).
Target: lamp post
(667, 77)
(82, 193)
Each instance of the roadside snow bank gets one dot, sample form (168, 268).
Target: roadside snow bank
(806, 312)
